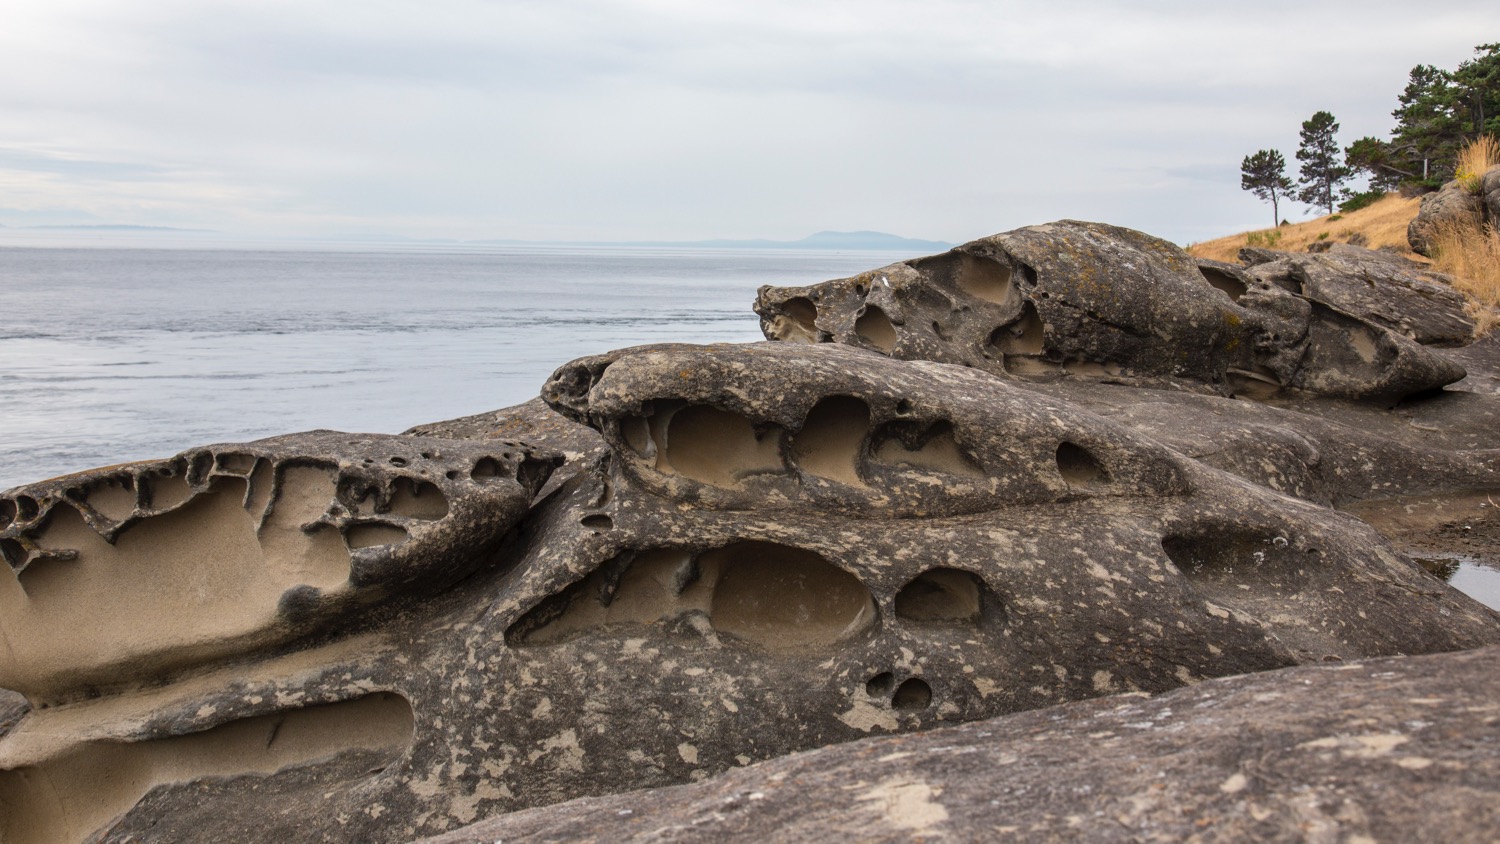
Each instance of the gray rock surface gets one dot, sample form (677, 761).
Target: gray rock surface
(1490, 192)
(1385, 750)
(686, 559)
(1074, 299)
(1454, 205)
(1391, 291)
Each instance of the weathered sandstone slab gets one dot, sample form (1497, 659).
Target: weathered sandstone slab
(1385, 750)
(126, 574)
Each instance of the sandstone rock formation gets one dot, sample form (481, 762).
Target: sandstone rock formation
(1385, 750)
(1020, 474)
(1096, 301)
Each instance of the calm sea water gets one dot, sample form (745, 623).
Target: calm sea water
(109, 355)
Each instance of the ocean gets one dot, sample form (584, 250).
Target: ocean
(115, 354)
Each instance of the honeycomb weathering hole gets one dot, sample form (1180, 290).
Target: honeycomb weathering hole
(940, 594)
(875, 328)
(73, 794)
(786, 598)
(1024, 336)
(771, 595)
(112, 498)
(831, 439)
(1079, 467)
(985, 278)
(13, 552)
(881, 684)
(418, 499)
(1232, 287)
(718, 447)
(935, 449)
(913, 695)
(166, 490)
(1233, 565)
(214, 576)
(797, 322)
(374, 535)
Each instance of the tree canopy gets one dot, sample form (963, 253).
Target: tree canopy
(1264, 174)
(1437, 113)
(1323, 172)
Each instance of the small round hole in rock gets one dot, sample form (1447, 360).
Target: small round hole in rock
(1078, 467)
(912, 696)
(398, 461)
(598, 521)
(940, 594)
(881, 684)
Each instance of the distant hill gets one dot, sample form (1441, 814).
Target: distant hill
(116, 228)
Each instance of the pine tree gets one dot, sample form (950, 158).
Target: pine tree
(1478, 83)
(1264, 174)
(1323, 172)
(1429, 125)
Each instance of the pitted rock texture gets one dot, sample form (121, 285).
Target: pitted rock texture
(748, 551)
(869, 546)
(1086, 299)
(1386, 750)
(128, 573)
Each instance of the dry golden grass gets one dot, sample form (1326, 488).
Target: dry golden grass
(1477, 156)
(1470, 252)
(1382, 223)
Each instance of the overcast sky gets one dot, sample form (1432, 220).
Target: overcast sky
(666, 119)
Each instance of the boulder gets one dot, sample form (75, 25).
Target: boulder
(1453, 205)
(1489, 191)
(1391, 749)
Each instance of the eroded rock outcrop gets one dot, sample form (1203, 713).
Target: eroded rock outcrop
(685, 559)
(1393, 749)
(1085, 299)
(1391, 291)
(123, 575)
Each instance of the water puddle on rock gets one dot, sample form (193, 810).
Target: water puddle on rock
(1479, 579)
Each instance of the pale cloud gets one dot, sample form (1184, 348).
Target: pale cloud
(655, 119)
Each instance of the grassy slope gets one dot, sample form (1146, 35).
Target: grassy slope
(1382, 224)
